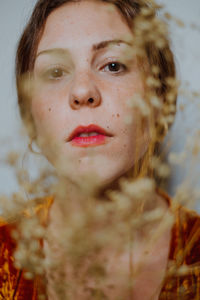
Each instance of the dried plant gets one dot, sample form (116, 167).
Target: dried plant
(93, 229)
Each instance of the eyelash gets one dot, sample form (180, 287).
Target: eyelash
(118, 63)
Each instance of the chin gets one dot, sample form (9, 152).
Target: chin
(91, 176)
(97, 172)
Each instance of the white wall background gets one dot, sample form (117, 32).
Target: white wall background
(186, 45)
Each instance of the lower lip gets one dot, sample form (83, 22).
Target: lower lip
(89, 141)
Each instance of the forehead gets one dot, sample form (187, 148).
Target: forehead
(80, 24)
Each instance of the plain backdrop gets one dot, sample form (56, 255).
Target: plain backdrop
(185, 44)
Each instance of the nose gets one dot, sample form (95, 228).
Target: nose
(84, 92)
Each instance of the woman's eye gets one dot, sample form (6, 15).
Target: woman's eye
(115, 67)
(56, 73)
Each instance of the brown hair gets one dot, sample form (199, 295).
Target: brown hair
(158, 55)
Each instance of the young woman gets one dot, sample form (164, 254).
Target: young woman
(96, 90)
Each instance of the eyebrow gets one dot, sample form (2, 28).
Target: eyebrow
(95, 47)
(105, 44)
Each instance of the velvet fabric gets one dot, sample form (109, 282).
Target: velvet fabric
(184, 250)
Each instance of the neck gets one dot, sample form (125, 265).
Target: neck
(65, 216)
(70, 199)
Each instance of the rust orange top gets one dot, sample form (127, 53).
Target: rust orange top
(184, 250)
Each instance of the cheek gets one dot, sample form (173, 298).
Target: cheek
(133, 136)
(39, 112)
(123, 93)
(133, 123)
(49, 118)
(40, 106)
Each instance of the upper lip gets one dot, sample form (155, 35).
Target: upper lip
(90, 128)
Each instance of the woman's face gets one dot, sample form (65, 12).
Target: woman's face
(82, 79)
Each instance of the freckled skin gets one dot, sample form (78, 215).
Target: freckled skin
(85, 78)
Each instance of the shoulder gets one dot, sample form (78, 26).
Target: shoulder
(186, 235)
(7, 227)
(183, 272)
(11, 278)
(8, 273)
(6, 240)
(185, 238)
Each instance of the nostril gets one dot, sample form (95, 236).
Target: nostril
(91, 100)
(76, 102)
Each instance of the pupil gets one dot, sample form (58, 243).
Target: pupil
(114, 67)
(57, 73)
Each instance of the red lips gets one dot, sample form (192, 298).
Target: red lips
(88, 141)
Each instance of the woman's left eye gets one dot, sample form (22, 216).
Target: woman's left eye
(115, 67)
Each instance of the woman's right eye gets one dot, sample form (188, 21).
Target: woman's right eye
(54, 73)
